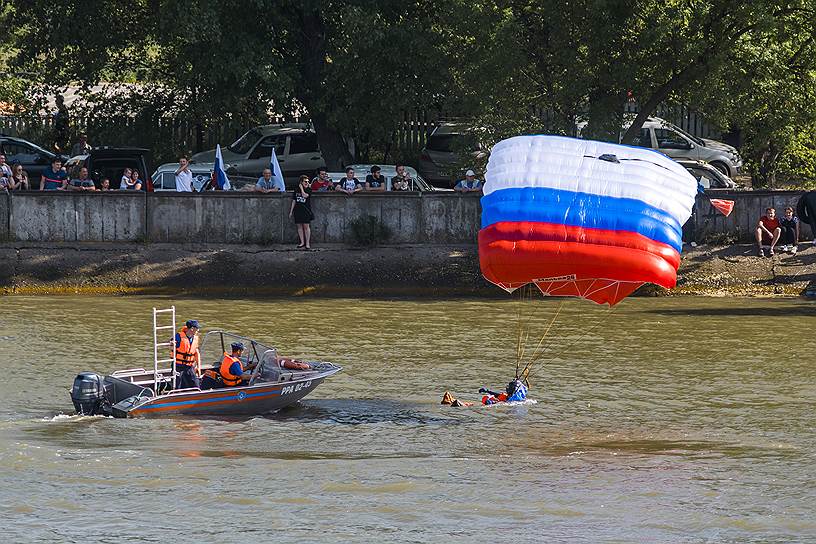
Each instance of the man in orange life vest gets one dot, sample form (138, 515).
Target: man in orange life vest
(188, 358)
(232, 371)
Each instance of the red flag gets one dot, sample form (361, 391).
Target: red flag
(724, 206)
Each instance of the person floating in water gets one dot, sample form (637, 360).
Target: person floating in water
(515, 391)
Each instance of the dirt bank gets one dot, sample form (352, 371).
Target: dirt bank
(27, 268)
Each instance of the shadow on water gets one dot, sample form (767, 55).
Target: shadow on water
(758, 311)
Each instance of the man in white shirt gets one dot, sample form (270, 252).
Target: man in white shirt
(184, 178)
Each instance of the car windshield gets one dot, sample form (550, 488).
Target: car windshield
(691, 137)
(242, 145)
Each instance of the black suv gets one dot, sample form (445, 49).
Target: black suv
(33, 157)
(110, 162)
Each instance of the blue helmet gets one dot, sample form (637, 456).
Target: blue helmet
(237, 346)
(192, 323)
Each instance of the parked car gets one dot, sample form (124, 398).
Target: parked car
(708, 176)
(679, 144)
(110, 162)
(388, 171)
(441, 162)
(33, 157)
(295, 146)
(164, 178)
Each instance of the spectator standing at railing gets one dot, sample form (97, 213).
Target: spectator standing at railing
(470, 184)
(322, 182)
(135, 183)
(19, 179)
(82, 183)
(375, 181)
(402, 181)
(81, 147)
(301, 209)
(184, 178)
(268, 184)
(104, 185)
(54, 177)
(349, 184)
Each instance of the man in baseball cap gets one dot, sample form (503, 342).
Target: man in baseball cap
(470, 184)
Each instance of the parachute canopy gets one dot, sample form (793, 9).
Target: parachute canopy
(582, 218)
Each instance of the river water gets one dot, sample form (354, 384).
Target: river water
(665, 420)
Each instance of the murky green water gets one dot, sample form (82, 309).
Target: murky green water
(666, 420)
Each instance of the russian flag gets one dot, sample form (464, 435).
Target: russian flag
(219, 175)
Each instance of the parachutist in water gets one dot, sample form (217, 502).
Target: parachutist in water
(515, 391)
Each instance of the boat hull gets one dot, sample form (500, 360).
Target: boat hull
(238, 401)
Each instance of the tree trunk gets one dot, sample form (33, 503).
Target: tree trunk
(312, 66)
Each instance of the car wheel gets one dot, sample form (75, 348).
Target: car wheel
(721, 167)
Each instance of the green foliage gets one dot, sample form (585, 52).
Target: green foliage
(369, 231)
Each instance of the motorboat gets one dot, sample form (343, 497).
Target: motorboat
(275, 382)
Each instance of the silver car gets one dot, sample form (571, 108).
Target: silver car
(708, 176)
(387, 171)
(679, 144)
(295, 147)
(164, 178)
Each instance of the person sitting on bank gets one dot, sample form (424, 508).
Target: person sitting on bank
(375, 181)
(232, 371)
(82, 183)
(188, 357)
(269, 184)
(789, 224)
(54, 178)
(470, 184)
(768, 231)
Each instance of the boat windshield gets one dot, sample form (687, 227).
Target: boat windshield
(215, 343)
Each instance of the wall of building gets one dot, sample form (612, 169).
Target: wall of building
(244, 218)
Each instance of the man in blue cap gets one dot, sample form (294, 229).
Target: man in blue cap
(188, 358)
(232, 370)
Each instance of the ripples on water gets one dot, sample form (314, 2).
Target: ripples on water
(674, 420)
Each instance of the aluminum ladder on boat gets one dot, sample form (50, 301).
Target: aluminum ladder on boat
(170, 344)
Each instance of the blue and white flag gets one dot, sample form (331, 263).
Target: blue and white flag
(277, 174)
(219, 175)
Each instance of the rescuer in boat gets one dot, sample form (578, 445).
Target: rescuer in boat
(188, 358)
(232, 370)
(515, 391)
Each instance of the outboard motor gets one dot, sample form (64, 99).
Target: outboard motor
(88, 394)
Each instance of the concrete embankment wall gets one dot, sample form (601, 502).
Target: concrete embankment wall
(241, 218)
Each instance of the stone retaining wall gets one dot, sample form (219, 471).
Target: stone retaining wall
(245, 218)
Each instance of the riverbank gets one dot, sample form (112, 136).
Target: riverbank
(339, 270)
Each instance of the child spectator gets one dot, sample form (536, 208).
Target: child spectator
(19, 179)
(302, 210)
(375, 181)
(124, 183)
(104, 185)
(768, 231)
(322, 182)
(790, 231)
(349, 184)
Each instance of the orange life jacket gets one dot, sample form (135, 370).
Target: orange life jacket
(186, 351)
(229, 379)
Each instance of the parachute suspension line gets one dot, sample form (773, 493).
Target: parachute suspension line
(526, 294)
(537, 352)
(583, 336)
